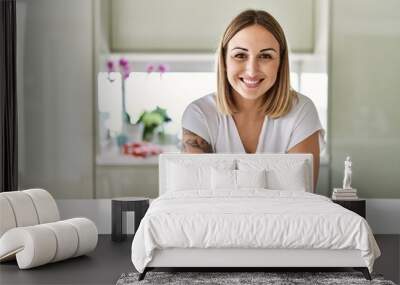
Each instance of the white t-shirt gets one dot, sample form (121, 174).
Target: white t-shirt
(277, 135)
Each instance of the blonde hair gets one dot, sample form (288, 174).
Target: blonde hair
(279, 98)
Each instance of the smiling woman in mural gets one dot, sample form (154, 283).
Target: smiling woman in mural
(254, 109)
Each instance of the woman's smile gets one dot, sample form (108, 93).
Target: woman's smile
(251, 83)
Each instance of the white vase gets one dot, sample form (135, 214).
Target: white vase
(133, 131)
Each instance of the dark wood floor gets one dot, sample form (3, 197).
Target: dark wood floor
(110, 260)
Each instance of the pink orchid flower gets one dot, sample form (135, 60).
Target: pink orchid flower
(110, 66)
(123, 62)
(150, 68)
(162, 68)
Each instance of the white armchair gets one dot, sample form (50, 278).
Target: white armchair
(31, 230)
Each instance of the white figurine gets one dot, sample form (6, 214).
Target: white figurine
(347, 174)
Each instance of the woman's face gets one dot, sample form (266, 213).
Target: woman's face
(252, 62)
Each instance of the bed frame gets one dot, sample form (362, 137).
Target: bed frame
(250, 258)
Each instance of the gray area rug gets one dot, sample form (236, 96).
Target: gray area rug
(229, 278)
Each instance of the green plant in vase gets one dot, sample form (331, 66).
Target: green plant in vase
(153, 120)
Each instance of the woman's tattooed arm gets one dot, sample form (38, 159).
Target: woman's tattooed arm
(192, 143)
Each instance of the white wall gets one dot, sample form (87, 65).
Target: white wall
(55, 74)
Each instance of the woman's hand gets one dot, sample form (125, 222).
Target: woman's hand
(192, 143)
(310, 145)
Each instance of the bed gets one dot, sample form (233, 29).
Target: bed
(246, 211)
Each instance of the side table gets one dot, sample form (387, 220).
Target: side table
(357, 206)
(139, 205)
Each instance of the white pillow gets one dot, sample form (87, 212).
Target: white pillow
(282, 174)
(223, 179)
(237, 179)
(251, 178)
(182, 177)
(189, 174)
(293, 179)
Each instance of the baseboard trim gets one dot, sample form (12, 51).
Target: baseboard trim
(383, 215)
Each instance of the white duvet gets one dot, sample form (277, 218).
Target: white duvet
(251, 218)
